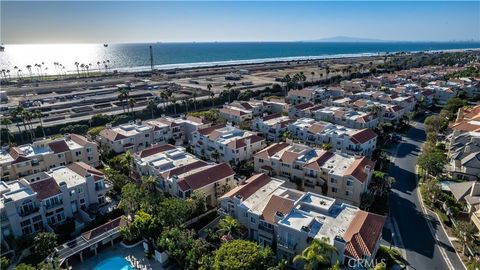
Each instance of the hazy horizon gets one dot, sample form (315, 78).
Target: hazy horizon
(87, 22)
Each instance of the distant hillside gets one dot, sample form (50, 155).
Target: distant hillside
(347, 39)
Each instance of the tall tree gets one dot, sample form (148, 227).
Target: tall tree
(38, 114)
(228, 225)
(242, 254)
(44, 243)
(318, 252)
(6, 122)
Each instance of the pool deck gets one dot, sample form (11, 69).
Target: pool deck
(136, 253)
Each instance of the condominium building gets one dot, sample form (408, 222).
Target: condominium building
(226, 143)
(271, 126)
(336, 175)
(235, 115)
(347, 117)
(311, 95)
(46, 199)
(386, 112)
(180, 174)
(136, 136)
(42, 155)
(288, 219)
(351, 141)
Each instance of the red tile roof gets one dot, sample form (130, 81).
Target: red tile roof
(208, 130)
(155, 149)
(111, 135)
(320, 160)
(357, 168)
(271, 150)
(206, 177)
(271, 116)
(59, 146)
(250, 186)
(184, 169)
(304, 106)
(362, 235)
(83, 169)
(316, 128)
(45, 188)
(363, 136)
(79, 139)
(274, 205)
(242, 142)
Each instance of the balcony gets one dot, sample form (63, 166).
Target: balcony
(24, 213)
(265, 229)
(285, 245)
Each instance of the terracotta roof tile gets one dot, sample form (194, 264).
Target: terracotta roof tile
(83, 169)
(271, 150)
(155, 149)
(79, 139)
(362, 235)
(118, 222)
(274, 205)
(363, 136)
(45, 188)
(320, 160)
(357, 168)
(208, 130)
(250, 186)
(111, 135)
(206, 177)
(242, 142)
(59, 146)
(184, 169)
(316, 128)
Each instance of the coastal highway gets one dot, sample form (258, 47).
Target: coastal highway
(421, 237)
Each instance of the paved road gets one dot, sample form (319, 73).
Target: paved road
(422, 249)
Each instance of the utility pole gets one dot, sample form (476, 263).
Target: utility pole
(151, 57)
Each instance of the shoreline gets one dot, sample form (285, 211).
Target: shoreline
(271, 60)
(230, 63)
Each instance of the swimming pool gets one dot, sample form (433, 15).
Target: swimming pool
(114, 263)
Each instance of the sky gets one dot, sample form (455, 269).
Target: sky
(136, 21)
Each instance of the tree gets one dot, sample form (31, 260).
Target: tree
(173, 212)
(123, 95)
(173, 100)
(152, 107)
(149, 183)
(93, 132)
(131, 104)
(242, 254)
(24, 266)
(4, 262)
(318, 252)
(6, 122)
(198, 202)
(465, 232)
(130, 199)
(215, 155)
(145, 225)
(432, 161)
(118, 179)
(228, 225)
(229, 87)
(44, 243)
(38, 114)
(212, 94)
(182, 247)
(434, 123)
(326, 146)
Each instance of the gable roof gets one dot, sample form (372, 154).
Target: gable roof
(271, 150)
(118, 222)
(357, 168)
(184, 169)
(250, 186)
(206, 131)
(274, 205)
(155, 149)
(362, 234)
(83, 169)
(45, 188)
(59, 146)
(111, 135)
(79, 139)
(363, 136)
(242, 142)
(206, 177)
(320, 160)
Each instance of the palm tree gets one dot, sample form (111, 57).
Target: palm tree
(173, 100)
(82, 66)
(228, 225)
(27, 121)
(29, 67)
(212, 94)
(6, 122)
(131, 104)
(149, 183)
(124, 95)
(78, 70)
(327, 71)
(87, 67)
(38, 114)
(185, 103)
(152, 106)
(194, 95)
(313, 74)
(128, 160)
(318, 252)
(229, 89)
(286, 80)
(98, 65)
(215, 155)
(15, 115)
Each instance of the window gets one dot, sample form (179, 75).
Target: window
(333, 180)
(334, 190)
(260, 160)
(349, 183)
(80, 190)
(348, 193)
(147, 135)
(252, 220)
(60, 155)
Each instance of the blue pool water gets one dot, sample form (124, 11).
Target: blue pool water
(113, 263)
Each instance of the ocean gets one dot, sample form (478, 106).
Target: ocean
(136, 56)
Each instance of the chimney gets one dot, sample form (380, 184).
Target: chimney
(138, 121)
(66, 137)
(109, 125)
(367, 169)
(248, 141)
